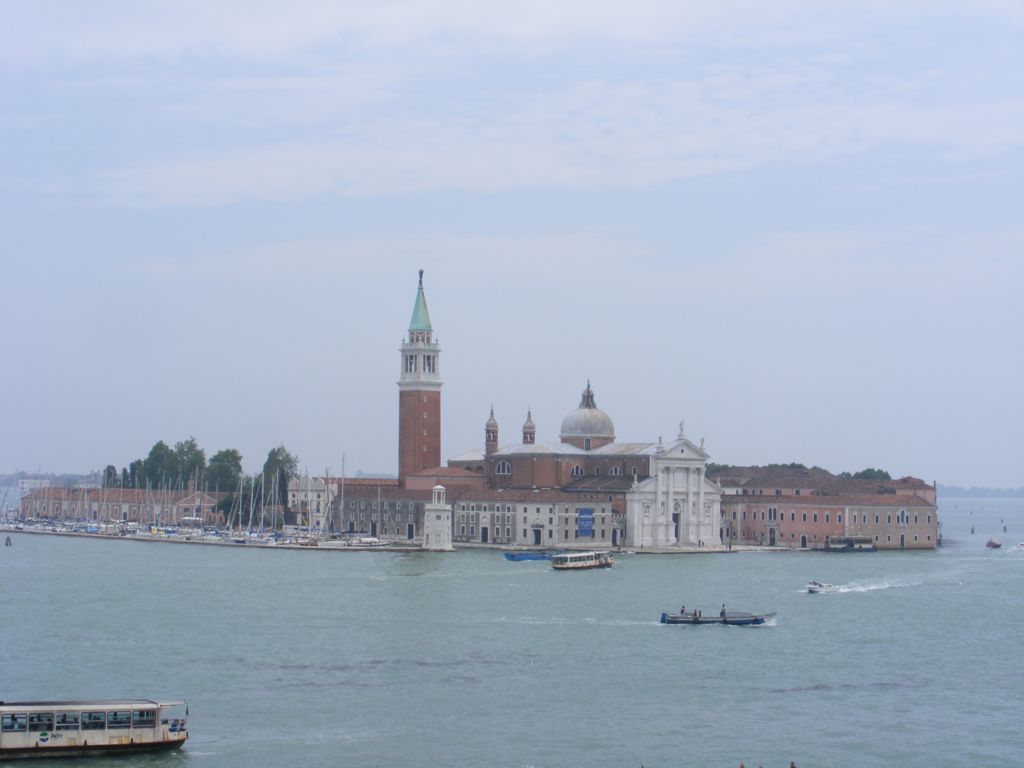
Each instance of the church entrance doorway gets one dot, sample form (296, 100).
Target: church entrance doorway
(483, 534)
(536, 537)
(771, 537)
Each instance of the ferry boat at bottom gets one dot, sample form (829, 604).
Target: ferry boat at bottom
(581, 561)
(75, 728)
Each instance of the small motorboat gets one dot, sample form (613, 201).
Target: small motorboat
(993, 544)
(817, 588)
(729, 618)
(530, 555)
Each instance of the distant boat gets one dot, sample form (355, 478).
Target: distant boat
(849, 544)
(530, 555)
(730, 618)
(993, 544)
(817, 588)
(581, 561)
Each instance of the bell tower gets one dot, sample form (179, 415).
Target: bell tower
(491, 434)
(419, 394)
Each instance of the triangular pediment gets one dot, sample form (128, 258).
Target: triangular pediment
(684, 448)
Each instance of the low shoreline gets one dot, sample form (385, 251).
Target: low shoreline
(337, 546)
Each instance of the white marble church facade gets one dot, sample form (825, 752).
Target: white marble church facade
(676, 506)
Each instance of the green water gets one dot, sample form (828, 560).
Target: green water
(377, 659)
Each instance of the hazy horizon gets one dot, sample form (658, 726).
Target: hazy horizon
(792, 227)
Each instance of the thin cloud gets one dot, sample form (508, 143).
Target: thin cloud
(592, 135)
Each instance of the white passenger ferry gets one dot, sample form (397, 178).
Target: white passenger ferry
(73, 728)
(579, 561)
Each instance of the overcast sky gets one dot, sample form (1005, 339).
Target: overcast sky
(796, 226)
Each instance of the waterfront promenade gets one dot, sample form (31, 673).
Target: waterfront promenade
(340, 545)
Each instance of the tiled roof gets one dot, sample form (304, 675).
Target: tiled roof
(607, 483)
(513, 496)
(454, 472)
(856, 500)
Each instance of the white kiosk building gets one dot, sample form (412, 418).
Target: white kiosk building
(437, 523)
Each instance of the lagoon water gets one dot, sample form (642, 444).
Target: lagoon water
(377, 659)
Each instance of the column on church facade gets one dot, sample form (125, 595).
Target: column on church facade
(705, 532)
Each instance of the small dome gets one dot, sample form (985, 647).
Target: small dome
(588, 420)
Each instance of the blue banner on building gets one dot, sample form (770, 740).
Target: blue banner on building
(585, 519)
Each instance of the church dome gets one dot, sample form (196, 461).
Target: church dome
(588, 420)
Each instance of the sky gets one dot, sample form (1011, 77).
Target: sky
(796, 226)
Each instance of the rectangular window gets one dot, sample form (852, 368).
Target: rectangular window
(839, 517)
(524, 533)
(826, 517)
(94, 721)
(815, 517)
(40, 721)
(792, 517)
(14, 722)
(67, 721)
(550, 532)
(144, 718)
(804, 516)
(119, 719)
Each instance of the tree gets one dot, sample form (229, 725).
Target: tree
(110, 477)
(191, 461)
(278, 469)
(161, 467)
(872, 474)
(137, 474)
(224, 470)
(124, 478)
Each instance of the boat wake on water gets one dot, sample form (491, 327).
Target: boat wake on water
(838, 589)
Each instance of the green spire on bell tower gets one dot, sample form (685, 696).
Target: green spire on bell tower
(420, 316)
